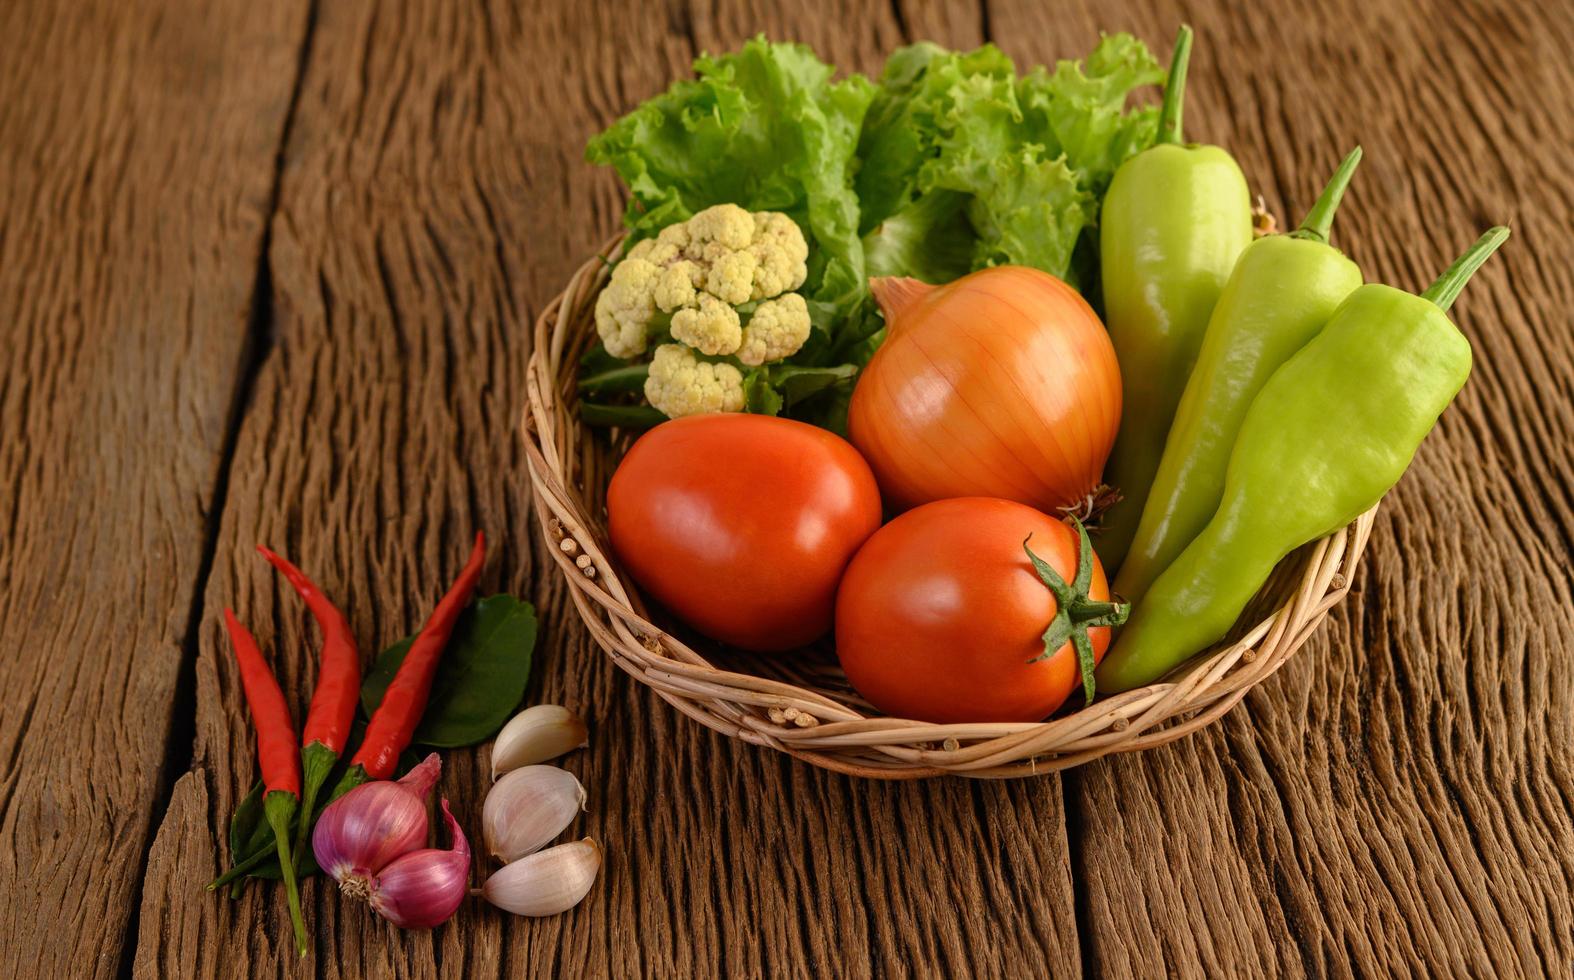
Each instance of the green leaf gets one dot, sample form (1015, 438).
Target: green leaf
(964, 165)
(932, 240)
(480, 678)
(758, 395)
(799, 383)
(249, 830)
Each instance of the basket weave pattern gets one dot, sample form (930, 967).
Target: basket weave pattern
(805, 707)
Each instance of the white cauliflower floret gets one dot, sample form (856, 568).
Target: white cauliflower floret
(714, 328)
(625, 306)
(781, 255)
(731, 275)
(700, 271)
(726, 225)
(681, 384)
(676, 285)
(777, 329)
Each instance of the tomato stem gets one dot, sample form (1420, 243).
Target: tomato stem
(1077, 612)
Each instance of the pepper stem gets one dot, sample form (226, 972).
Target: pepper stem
(1450, 283)
(1320, 219)
(240, 870)
(280, 806)
(1175, 89)
(317, 761)
(353, 777)
(1077, 612)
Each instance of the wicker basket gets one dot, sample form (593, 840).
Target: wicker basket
(803, 705)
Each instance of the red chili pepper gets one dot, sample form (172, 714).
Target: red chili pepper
(281, 762)
(338, 688)
(281, 769)
(334, 700)
(393, 724)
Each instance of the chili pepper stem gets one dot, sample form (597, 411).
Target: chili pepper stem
(240, 870)
(353, 777)
(317, 761)
(1175, 89)
(1320, 219)
(280, 807)
(1448, 286)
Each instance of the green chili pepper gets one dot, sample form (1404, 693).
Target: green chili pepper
(1174, 221)
(1330, 433)
(1284, 288)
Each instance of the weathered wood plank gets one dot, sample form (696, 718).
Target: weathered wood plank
(137, 149)
(1401, 798)
(433, 198)
(1401, 813)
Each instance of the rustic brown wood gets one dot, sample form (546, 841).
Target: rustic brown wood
(1399, 800)
(431, 200)
(136, 170)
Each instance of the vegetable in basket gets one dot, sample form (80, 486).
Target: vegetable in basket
(1284, 288)
(742, 524)
(973, 610)
(964, 165)
(1330, 433)
(1175, 219)
(720, 286)
(1001, 384)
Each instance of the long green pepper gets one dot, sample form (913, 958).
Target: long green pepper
(1174, 221)
(1284, 288)
(1330, 433)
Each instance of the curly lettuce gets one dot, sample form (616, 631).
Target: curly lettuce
(965, 165)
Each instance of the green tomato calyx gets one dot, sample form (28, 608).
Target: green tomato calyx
(1077, 612)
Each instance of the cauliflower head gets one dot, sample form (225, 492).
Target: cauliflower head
(681, 384)
(698, 271)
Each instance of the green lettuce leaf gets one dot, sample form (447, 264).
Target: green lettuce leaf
(764, 128)
(964, 165)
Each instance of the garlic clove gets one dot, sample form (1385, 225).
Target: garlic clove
(547, 882)
(527, 808)
(537, 734)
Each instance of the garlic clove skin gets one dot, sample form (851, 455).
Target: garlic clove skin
(528, 808)
(371, 825)
(547, 882)
(537, 734)
(425, 887)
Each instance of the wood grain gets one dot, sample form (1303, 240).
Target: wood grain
(432, 199)
(1398, 801)
(136, 171)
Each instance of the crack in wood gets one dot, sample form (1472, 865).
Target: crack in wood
(180, 742)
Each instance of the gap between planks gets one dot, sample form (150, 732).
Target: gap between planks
(180, 744)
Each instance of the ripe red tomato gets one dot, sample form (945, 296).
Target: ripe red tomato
(940, 612)
(742, 524)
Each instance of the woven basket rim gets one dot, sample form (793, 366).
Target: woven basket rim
(826, 727)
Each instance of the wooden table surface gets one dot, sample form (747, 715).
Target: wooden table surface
(266, 274)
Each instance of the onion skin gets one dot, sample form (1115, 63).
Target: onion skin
(1001, 384)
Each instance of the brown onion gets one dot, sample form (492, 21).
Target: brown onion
(1000, 384)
